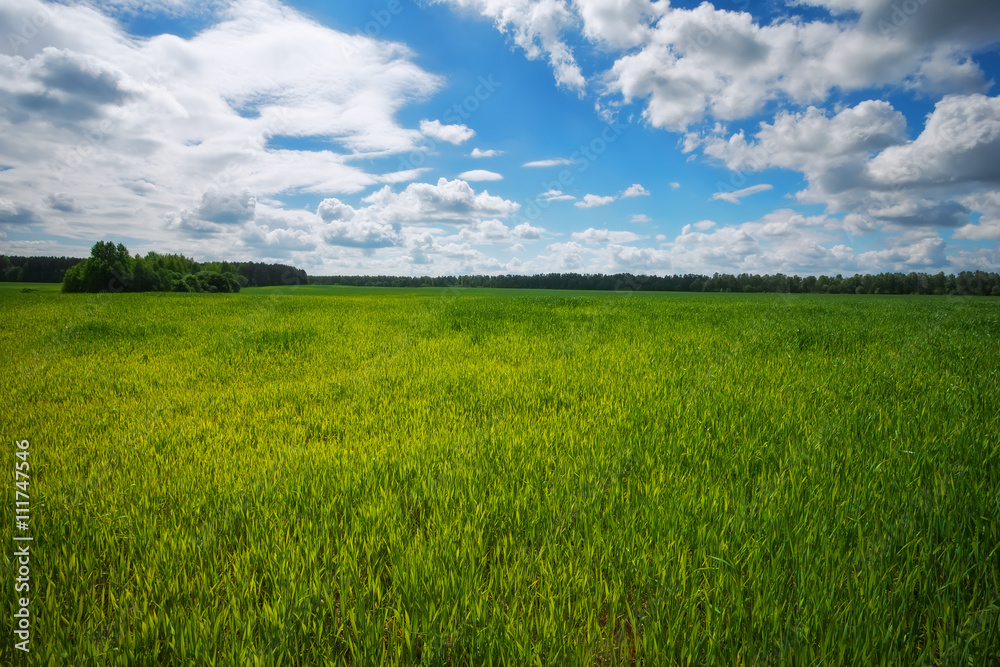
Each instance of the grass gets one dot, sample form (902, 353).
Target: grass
(327, 475)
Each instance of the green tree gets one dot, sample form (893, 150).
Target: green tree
(144, 277)
(109, 268)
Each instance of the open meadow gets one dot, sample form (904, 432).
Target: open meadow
(326, 475)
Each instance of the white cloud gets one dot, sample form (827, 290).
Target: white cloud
(959, 143)
(362, 233)
(480, 175)
(446, 201)
(635, 190)
(554, 195)
(784, 241)
(600, 257)
(333, 209)
(60, 201)
(860, 162)
(712, 62)
(593, 236)
(988, 225)
(477, 153)
(640, 218)
(536, 26)
(494, 231)
(619, 23)
(555, 162)
(527, 231)
(485, 231)
(632, 258)
(988, 230)
(674, 185)
(379, 224)
(453, 134)
(685, 65)
(735, 196)
(174, 136)
(227, 207)
(15, 214)
(590, 201)
(811, 141)
(926, 254)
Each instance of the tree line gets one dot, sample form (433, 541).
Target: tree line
(973, 283)
(111, 268)
(16, 269)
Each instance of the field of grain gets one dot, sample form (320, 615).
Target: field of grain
(322, 475)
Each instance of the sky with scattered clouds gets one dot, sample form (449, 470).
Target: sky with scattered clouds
(443, 137)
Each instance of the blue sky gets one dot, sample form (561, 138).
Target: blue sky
(507, 136)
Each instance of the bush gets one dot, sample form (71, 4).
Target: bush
(187, 283)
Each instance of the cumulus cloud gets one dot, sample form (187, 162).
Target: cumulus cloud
(554, 195)
(61, 201)
(494, 231)
(485, 231)
(362, 233)
(925, 254)
(332, 209)
(227, 207)
(686, 65)
(987, 228)
(640, 218)
(528, 232)
(446, 201)
(635, 190)
(812, 141)
(736, 196)
(619, 24)
(590, 201)
(477, 153)
(960, 142)
(860, 162)
(593, 236)
(66, 86)
(601, 257)
(480, 175)
(921, 212)
(15, 214)
(379, 224)
(453, 134)
(784, 241)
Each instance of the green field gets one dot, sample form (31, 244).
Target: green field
(323, 475)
